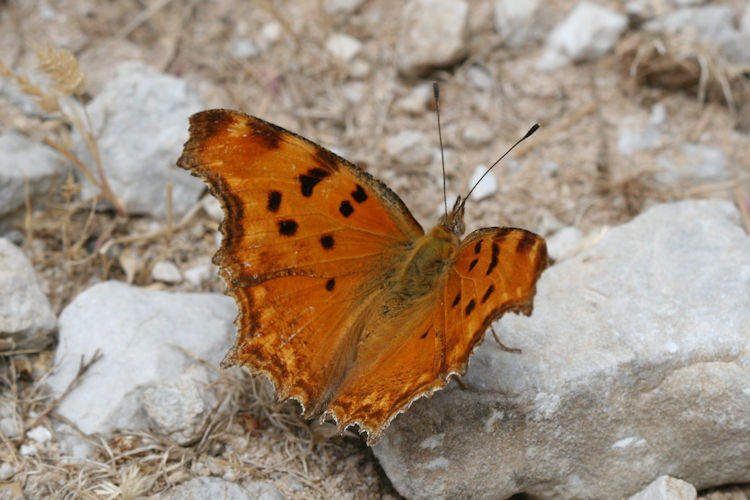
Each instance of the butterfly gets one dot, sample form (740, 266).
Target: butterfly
(345, 303)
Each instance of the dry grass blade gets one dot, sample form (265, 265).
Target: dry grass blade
(61, 67)
(132, 484)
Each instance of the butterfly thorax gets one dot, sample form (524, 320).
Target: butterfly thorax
(424, 269)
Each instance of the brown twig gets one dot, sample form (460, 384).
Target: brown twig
(103, 185)
(154, 234)
(82, 369)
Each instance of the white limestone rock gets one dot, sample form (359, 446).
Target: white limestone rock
(518, 23)
(432, 34)
(588, 32)
(166, 271)
(138, 332)
(26, 317)
(343, 47)
(667, 488)
(140, 121)
(179, 409)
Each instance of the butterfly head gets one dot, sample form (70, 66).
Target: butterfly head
(453, 221)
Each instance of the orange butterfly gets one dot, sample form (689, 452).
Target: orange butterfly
(345, 303)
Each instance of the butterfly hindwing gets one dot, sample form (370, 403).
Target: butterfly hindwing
(495, 272)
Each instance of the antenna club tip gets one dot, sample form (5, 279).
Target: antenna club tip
(533, 129)
(436, 89)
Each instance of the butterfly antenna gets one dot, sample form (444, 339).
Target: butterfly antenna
(436, 94)
(519, 141)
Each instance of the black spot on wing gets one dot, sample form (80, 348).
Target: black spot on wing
(310, 179)
(456, 300)
(494, 260)
(274, 201)
(470, 306)
(487, 294)
(327, 241)
(359, 194)
(424, 334)
(346, 208)
(288, 227)
(330, 284)
(473, 263)
(478, 246)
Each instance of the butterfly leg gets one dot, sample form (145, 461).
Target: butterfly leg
(503, 346)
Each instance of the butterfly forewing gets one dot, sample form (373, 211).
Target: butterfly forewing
(307, 237)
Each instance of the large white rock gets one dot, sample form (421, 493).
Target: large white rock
(635, 363)
(432, 33)
(140, 122)
(588, 32)
(26, 317)
(140, 334)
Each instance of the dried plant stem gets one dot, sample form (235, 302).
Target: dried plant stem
(154, 234)
(717, 186)
(82, 369)
(103, 185)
